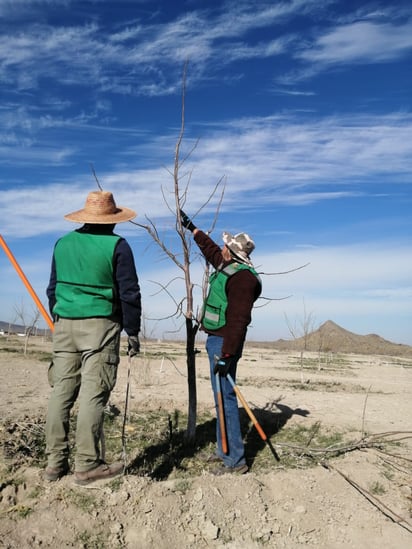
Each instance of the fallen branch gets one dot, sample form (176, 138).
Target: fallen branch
(393, 465)
(369, 441)
(397, 456)
(374, 441)
(384, 509)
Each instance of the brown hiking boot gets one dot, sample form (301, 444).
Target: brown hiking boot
(222, 470)
(52, 474)
(101, 472)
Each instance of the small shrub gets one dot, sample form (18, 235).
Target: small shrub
(377, 488)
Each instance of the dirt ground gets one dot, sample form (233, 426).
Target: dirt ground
(362, 500)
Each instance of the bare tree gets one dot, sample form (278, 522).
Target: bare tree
(185, 306)
(323, 350)
(301, 331)
(11, 323)
(20, 314)
(30, 325)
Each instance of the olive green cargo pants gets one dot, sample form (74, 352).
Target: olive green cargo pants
(85, 361)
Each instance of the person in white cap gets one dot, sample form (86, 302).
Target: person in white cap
(234, 286)
(93, 295)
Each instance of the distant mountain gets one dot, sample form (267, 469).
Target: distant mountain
(8, 327)
(331, 337)
(328, 337)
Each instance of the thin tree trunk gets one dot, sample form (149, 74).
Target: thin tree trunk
(191, 380)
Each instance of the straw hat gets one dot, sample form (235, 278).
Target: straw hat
(101, 208)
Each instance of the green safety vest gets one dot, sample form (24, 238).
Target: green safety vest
(214, 308)
(85, 284)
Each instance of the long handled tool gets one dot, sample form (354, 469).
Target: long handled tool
(252, 417)
(27, 283)
(221, 414)
(126, 404)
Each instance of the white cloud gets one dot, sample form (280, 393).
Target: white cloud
(360, 42)
(293, 163)
(364, 287)
(149, 56)
(342, 283)
(144, 52)
(269, 162)
(353, 270)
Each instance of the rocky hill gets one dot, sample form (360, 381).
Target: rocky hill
(332, 337)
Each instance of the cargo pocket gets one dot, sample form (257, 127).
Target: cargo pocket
(108, 371)
(50, 375)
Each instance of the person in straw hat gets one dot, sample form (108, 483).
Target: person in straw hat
(93, 294)
(234, 286)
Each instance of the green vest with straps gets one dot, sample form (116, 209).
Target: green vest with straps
(214, 308)
(85, 284)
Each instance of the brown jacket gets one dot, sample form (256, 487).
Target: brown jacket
(242, 290)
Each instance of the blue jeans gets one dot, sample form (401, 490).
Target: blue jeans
(236, 449)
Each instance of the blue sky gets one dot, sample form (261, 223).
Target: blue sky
(302, 107)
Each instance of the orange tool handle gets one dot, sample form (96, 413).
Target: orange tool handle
(33, 294)
(221, 415)
(248, 410)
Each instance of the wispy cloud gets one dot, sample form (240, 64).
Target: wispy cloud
(286, 91)
(353, 269)
(304, 165)
(340, 283)
(349, 284)
(294, 163)
(77, 55)
(287, 153)
(16, 152)
(149, 54)
(360, 42)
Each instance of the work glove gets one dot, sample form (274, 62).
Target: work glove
(223, 365)
(133, 345)
(187, 222)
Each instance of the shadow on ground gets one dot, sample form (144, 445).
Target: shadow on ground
(158, 461)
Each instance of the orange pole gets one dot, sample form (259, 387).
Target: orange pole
(221, 414)
(252, 417)
(33, 294)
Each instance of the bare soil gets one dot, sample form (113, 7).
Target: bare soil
(360, 499)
